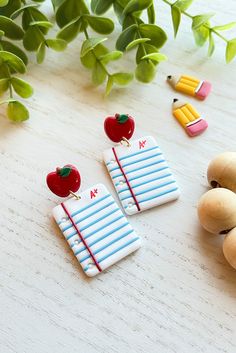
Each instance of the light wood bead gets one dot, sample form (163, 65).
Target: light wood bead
(222, 171)
(229, 247)
(217, 210)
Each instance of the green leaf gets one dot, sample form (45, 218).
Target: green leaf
(176, 18)
(145, 71)
(200, 20)
(211, 46)
(21, 87)
(230, 50)
(99, 7)
(158, 57)
(32, 14)
(127, 36)
(109, 85)
(12, 6)
(3, 2)
(225, 27)
(156, 34)
(8, 46)
(13, 61)
(201, 35)
(65, 171)
(129, 20)
(90, 44)
(101, 25)
(136, 42)
(122, 78)
(33, 38)
(57, 3)
(151, 14)
(89, 59)
(183, 5)
(69, 10)
(136, 5)
(144, 50)
(98, 74)
(4, 84)
(56, 44)
(10, 28)
(42, 24)
(111, 56)
(41, 53)
(16, 111)
(70, 31)
(15, 14)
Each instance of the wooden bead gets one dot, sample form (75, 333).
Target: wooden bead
(217, 210)
(229, 247)
(222, 171)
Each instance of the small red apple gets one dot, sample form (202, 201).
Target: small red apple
(119, 126)
(64, 180)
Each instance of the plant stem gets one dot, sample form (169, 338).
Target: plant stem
(9, 76)
(204, 25)
(104, 67)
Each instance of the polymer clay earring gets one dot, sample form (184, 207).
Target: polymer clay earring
(189, 85)
(138, 169)
(188, 118)
(91, 222)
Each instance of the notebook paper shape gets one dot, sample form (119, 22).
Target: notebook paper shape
(96, 229)
(141, 175)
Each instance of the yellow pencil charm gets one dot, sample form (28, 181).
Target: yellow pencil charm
(188, 118)
(190, 85)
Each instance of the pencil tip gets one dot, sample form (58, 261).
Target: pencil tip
(175, 100)
(169, 77)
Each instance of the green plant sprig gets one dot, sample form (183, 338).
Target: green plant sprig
(74, 18)
(202, 29)
(94, 55)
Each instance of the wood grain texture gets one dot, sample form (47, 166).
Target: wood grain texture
(177, 294)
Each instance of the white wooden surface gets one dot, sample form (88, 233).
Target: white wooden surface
(177, 294)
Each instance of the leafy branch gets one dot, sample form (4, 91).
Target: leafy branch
(202, 29)
(23, 21)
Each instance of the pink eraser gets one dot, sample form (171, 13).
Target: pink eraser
(196, 128)
(204, 90)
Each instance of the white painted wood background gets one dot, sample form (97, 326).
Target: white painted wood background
(177, 294)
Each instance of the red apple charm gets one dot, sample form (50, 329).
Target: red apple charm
(64, 180)
(119, 127)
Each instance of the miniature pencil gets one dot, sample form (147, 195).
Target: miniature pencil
(188, 118)
(190, 85)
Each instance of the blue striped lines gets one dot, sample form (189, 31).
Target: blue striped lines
(150, 189)
(114, 251)
(146, 182)
(139, 168)
(86, 207)
(136, 161)
(158, 195)
(94, 222)
(90, 215)
(98, 229)
(145, 174)
(137, 153)
(113, 231)
(107, 245)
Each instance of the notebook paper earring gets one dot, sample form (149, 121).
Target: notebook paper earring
(91, 222)
(138, 169)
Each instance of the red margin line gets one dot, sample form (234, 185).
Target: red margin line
(81, 237)
(127, 181)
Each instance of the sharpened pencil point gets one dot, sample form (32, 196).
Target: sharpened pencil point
(175, 100)
(169, 77)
